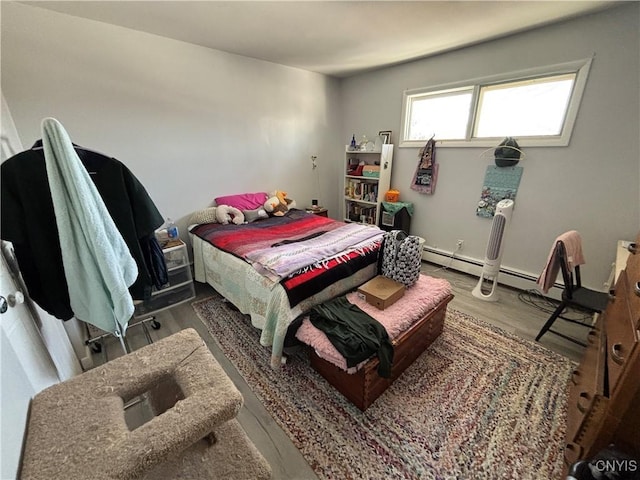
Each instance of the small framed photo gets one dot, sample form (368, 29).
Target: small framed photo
(386, 136)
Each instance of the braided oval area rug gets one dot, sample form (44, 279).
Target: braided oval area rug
(480, 403)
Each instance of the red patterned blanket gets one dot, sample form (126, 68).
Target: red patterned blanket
(297, 230)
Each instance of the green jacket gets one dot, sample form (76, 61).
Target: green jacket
(354, 333)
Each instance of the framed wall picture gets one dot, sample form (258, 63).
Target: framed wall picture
(386, 136)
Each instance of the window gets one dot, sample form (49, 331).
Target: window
(543, 103)
(537, 107)
(444, 112)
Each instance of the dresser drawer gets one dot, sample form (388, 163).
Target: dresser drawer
(589, 375)
(586, 384)
(177, 276)
(633, 278)
(175, 257)
(593, 435)
(166, 298)
(600, 413)
(179, 287)
(622, 335)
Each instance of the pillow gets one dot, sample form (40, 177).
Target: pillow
(243, 201)
(206, 215)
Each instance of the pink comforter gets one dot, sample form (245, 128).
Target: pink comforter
(416, 302)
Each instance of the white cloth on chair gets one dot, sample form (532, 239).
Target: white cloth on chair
(573, 248)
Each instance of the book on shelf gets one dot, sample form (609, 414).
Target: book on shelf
(361, 190)
(360, 213)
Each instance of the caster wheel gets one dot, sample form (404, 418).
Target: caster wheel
(96, 347)
(156, 325)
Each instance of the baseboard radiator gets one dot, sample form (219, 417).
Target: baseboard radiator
(508, 276)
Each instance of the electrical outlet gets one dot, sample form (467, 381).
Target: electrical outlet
(459, 244)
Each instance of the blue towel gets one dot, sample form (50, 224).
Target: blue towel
(98, 265)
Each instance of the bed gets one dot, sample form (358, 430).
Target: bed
(276, 269)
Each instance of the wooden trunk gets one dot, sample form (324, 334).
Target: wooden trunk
(364, 386)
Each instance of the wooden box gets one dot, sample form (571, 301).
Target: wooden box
(363, 387)
(381, 292)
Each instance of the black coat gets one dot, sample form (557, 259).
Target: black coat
(28, 221)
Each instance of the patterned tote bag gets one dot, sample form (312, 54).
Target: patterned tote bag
(401, 257)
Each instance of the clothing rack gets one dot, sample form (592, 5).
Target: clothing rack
(36, 184)
(95, 342)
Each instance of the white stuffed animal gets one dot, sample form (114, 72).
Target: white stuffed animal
(206, 215)
(226, 214)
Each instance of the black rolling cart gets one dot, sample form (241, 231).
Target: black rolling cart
(396, 216)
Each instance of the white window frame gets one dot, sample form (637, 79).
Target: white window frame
(579, 67)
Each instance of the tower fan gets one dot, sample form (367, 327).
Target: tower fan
(486, 287)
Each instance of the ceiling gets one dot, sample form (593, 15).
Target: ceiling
(330, 37)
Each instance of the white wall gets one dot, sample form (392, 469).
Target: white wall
(27, 368)
(14, 410)
(190, 122)
(193, 123)
(591, 186)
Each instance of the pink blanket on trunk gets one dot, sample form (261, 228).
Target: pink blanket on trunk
(416, 302)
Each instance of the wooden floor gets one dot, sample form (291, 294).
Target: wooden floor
(512, 313)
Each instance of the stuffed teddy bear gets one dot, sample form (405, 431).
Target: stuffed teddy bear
(273, 208)
(278, 204)
(282, 196)
(226, 214)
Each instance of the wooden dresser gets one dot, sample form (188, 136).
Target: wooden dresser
(604, 398)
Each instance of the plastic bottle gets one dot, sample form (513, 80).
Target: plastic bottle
(353, 145)
(172, 230)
